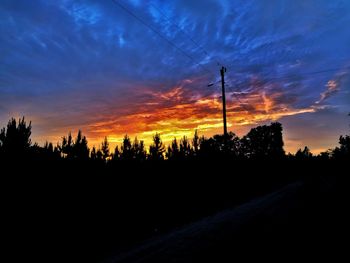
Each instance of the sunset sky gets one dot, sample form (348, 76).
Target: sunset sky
(140, 67)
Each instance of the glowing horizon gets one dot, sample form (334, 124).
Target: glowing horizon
(187, 114)
(89, 65)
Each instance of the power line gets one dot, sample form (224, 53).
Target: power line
(300, 75)
(184, 32)
(158, 33)
(266, 65)
(295, 76)
(277, 78)
(310, 73)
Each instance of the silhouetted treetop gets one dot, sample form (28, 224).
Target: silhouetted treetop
(80, 148)
(343, 151)
(185, 148)
(264, 142)
(303, 154)
(105, 149)
(75, 149)
(156, 149)
(15, 138)
(127, 152)
(260, 143)
(139, 151)
(195, 143)
(173, 152)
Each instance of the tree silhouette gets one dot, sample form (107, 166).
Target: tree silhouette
(127, 153)
(66, 148)
(48, 147)
(93, 154)
(104, 150)
(75, 150)
(138, 149)
(264, 142)
(325, 156)
(173, 151)
(15, 139)
(303, 154)
(219, 147)
(47, 152)
(343, 152)
(156, 150)
(195, 143)
(116, 154)
(100, 156)
(185, 148)
(80, 149)
(132, 151)
(276, 150)
(207, 148)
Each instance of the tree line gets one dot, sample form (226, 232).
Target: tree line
(260, 143)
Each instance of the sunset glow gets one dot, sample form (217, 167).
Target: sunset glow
(89, 65)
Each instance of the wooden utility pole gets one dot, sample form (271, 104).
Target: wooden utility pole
(222, 71)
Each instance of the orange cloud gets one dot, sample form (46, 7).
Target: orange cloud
(178, 112)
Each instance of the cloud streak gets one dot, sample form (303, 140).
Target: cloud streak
(332, 87)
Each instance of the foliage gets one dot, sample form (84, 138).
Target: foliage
(264, 142)
(157, 149)
(15, 139)
(104, 150)
(343, 151)
(303, 154)
(75, 149)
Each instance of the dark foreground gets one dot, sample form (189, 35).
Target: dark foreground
(179, 212)
(284, 223)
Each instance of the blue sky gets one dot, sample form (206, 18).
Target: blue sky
(90, 65)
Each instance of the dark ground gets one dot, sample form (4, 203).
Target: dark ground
(285, 222)
(183, 212)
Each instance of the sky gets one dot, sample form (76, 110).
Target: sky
(116, 67)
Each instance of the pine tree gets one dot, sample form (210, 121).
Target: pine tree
(105, 149)
(15, 139)
(156, 150)
(116, 154)
(195, 143)
(185, 148)
(173, 150)
(66, 147)
(93, 154)
(139, 151)
(80, 149)
(127, 149)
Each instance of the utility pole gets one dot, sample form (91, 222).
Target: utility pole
(222, 72)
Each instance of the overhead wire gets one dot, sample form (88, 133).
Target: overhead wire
(159, 34)
(288, 77)
(168, 19)
(171, 43)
